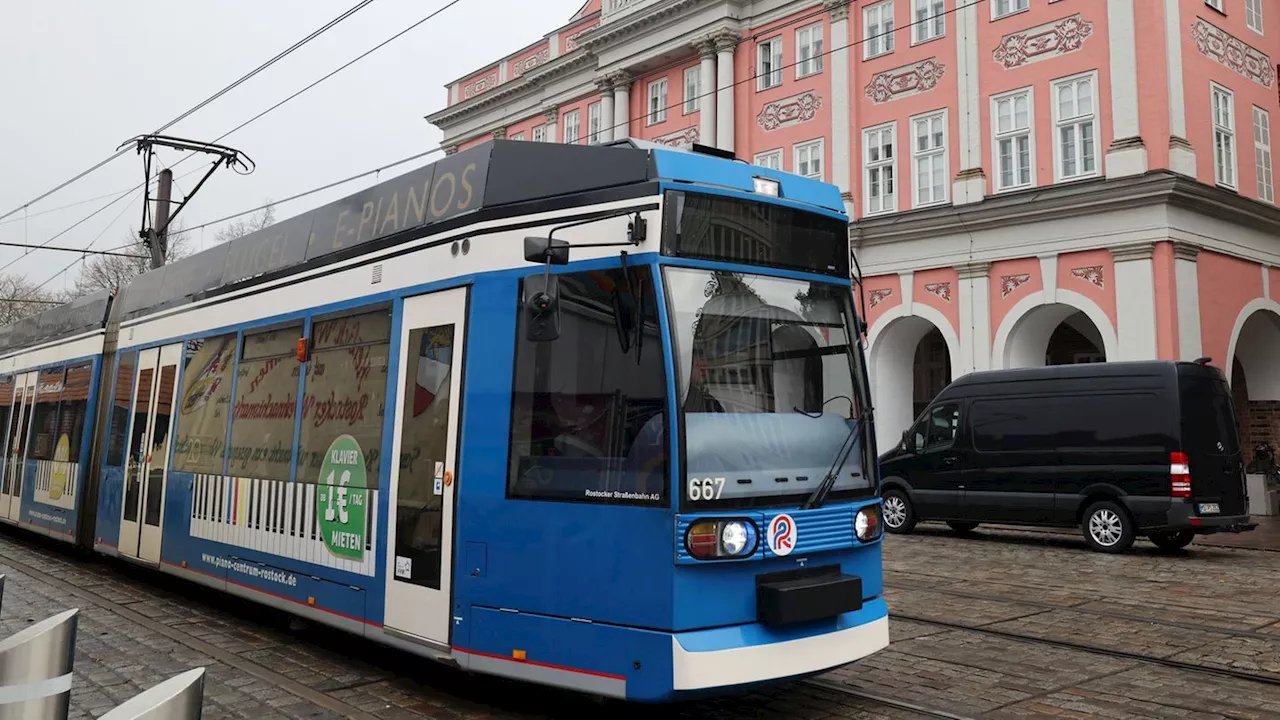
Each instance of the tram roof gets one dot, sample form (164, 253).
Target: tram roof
(503, 177)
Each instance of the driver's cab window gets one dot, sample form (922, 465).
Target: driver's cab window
(937, 429)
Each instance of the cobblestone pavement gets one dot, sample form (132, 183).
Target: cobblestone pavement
(997, 624)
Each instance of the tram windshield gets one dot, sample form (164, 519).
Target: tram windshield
(769, 386)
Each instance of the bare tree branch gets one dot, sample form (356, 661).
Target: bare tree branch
(250, 224)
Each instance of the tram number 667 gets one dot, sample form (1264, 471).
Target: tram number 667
(705, 488)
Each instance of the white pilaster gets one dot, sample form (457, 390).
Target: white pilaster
(970, 183)
(1187, 290)
(908, 290)
(502, 72)
(455, 92)
(553, 124)
(1182, 157)
(707, 102)
(622, 106)
(1049, 277)
(1127, 154)
(841, 124)
(725, 44)
(1135, 302)
(974, 297)
(553, 45)
(606, 109)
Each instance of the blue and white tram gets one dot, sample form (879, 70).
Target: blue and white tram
(594, 417)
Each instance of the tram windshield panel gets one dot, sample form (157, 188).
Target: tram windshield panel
(768, 383)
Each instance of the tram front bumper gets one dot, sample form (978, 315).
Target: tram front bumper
(745, 654)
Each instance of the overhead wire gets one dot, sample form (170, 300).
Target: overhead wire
(280, 56)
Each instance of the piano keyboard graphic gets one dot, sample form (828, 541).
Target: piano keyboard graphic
(274, 517)
(44, 482)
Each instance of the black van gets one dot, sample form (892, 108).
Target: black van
(1117, 449)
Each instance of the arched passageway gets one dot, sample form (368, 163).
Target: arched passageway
(1255, 380)
(1054, 334)
(911, 361)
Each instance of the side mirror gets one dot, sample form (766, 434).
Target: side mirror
(907, 439)
(542, 303)
(546, 250)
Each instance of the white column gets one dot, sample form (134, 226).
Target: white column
(1186, 280)
(622, 106)
(707, 102)
(974, 298)
(606, 109)
(1135, 301)
(553, 45)
(1182, 157)
(841, 124)
(553, 124)
(970, 183)
(1127, 154)
(725, 44)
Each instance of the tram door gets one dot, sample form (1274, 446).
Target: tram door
(146, 465)
(15, 457)
(423, 482)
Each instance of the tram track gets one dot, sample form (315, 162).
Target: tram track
(841, 688)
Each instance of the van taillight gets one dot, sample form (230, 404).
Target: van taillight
(1179, 475)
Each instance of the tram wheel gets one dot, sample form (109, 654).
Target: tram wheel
(899, 516)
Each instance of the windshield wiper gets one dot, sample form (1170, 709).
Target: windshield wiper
(820, 493)
(818, 414)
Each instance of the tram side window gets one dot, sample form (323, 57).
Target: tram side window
(6, 404)
(204, 408)
(588, 416)
(346, 388)
(266, 391)
(72, 412)
(44, 426)
(119, 422)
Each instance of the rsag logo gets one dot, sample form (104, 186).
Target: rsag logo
(782, 535)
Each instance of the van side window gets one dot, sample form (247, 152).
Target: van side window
(938, 429)
(1012, 424)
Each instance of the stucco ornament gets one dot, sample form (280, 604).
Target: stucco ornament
(1043, 42)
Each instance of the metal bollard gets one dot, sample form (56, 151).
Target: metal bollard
(181, 697)
(35, 669)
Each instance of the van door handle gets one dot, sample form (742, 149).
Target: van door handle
(950, 460)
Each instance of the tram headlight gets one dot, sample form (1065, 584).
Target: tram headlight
(721, 539)
(867, 523)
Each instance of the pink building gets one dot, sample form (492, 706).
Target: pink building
(1032, 181)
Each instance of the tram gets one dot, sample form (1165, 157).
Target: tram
(595, 417)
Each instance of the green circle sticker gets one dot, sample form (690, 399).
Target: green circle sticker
(340, 500)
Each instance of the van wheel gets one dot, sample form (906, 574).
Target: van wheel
(899, 517)
(1172, 540)
(1107, 527)
(962, 527)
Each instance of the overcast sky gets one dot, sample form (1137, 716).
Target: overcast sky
(80, 77)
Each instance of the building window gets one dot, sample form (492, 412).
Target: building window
(540, 133)
(1253, 15)
(808, 159)
(1262, 154)
(1218, 5)
(658, 101)
(769, 63)
(877, 29)
(692, 88)
(880, 163)
(1013, 140)
(571, 128)
(518, 136)
(771, 160)
(593, 122)
(929, 155)
(809, 50)
(1224, 136)
(1074, 115)
(1000, 8)
(929, 20)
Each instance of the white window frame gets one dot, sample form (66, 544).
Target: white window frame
(1253, 16)
(1013, 8)
(772, 49)
(1262, 156)
(519, 137)
(809, 37)
(656, 105)
(997, 136)
(1228, 131)
(762, 159)
(540, 133)
(868, 166)
(943, 152)
(692, 91)
(931, 27)
(595, 122)
(572, 127)
(817, 145)
(873, 46)
(1058, 123)
(1218, 5)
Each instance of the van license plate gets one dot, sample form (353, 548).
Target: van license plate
(1209, 509)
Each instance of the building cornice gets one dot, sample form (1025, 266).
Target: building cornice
(562, 65)
(610, 32)
(1133, 251)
